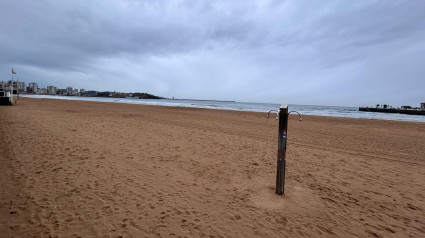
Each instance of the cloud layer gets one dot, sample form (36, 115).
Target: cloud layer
(305, 52)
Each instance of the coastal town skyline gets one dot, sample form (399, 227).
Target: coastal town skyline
(21, 87)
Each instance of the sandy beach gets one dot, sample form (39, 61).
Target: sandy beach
(89, 169)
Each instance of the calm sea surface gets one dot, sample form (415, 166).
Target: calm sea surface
(352, 112)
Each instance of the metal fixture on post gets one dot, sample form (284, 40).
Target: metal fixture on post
(299, 115)
(277, 114)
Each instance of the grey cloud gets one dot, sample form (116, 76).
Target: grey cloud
(240, 50)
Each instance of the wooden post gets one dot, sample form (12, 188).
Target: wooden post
(281, 150)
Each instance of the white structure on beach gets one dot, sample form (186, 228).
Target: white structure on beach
(8, 92)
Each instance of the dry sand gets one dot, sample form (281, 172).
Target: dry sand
(88, 169)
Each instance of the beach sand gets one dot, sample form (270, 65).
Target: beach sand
(89, 169)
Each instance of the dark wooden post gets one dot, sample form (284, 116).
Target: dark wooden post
(281, 150)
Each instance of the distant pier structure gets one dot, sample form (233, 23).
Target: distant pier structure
(403, 110)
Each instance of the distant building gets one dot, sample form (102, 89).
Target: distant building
(75, 92)
(60, 91)
(90, 93)
(32, 88)
(51, 90)
(105, 94)
(82, 91)
(69, 90)
(21, 87)
(423, 105)
(42, 91)
(119, 95)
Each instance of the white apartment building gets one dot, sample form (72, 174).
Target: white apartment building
(32, 88)
(69, 90)
(51, 90)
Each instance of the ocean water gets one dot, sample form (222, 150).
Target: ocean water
(334, 111)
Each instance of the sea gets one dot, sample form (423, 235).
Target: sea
(317, 110)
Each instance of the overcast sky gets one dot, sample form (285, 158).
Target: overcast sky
(347, 53)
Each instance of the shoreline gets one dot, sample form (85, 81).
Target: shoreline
(224, 109)
(103, 169)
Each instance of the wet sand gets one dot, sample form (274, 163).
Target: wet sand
(89, 169)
